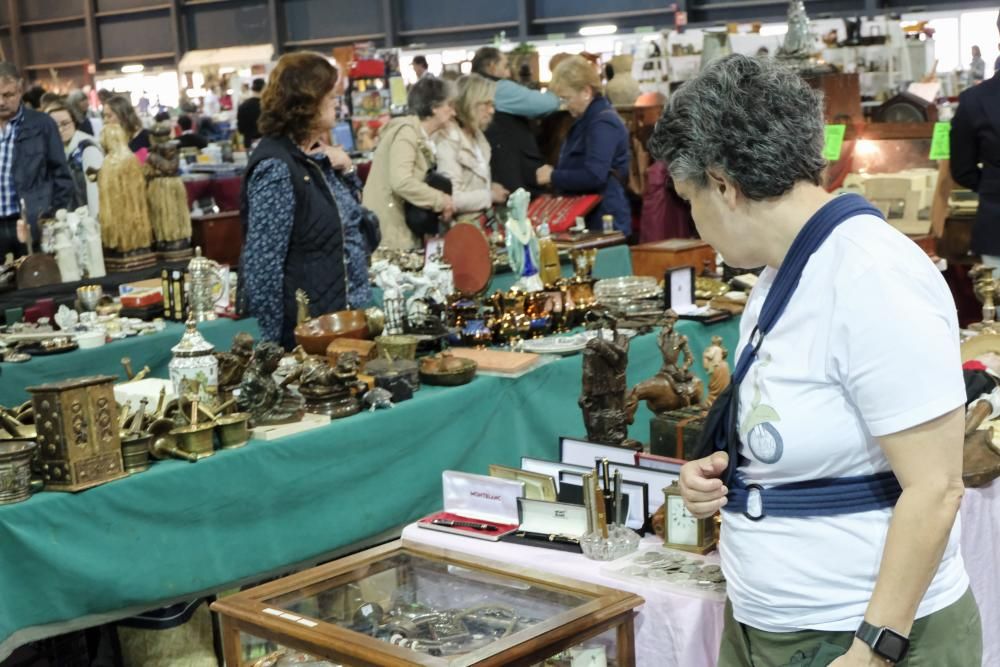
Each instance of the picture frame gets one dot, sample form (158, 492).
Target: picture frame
(537, 486)
(581, 452)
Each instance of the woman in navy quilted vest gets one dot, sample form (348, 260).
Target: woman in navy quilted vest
(301, 215)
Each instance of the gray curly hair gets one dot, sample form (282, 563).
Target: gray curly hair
(756, 121)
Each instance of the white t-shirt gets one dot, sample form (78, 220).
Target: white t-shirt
(867, 346)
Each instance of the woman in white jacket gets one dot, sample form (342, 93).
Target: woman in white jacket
(463, 153)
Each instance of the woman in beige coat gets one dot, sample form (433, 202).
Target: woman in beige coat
(464, 152)
(404, 155)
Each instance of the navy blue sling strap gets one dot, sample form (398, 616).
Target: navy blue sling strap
(822, 497)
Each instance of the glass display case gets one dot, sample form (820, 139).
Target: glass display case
(399, 604)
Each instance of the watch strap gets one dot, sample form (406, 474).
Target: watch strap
(868, 633)
(871, 634)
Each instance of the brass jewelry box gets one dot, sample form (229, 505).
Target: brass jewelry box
(79, 445)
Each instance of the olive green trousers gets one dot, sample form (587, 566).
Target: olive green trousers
(950, 637)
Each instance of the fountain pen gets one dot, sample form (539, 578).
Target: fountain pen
(463, 524)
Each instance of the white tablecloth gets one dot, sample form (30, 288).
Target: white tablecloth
(672, 629)
(981, 551)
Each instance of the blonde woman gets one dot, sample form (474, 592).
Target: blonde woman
(595, 157)
(405, 154)
(464, 152)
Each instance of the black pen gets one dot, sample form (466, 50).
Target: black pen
(463, 524)
(564, 539)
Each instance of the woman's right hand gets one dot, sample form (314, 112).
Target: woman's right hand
(703, 492)
(448, 212)
(499, 193)
(543, 175)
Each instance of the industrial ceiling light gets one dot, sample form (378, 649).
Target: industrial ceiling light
(132, 69)
(597, 30)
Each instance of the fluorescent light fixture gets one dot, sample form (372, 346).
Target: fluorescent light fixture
(132, 69)
(596, 30)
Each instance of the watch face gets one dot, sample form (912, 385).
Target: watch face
(891, 645)
(682, 527)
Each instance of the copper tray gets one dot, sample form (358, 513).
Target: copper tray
(467, 250)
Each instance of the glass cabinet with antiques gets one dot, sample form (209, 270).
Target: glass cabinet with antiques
(400, 604)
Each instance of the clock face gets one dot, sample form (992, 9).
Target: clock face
(682, 527)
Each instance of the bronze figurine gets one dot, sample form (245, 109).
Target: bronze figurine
(234, 363)
(261, 396)
(330, 390)
(603, 397)
(674, 386)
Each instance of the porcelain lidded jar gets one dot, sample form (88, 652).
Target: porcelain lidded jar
(194, 368)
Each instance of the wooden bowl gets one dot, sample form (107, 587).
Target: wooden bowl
(462, 374)
(316, 334)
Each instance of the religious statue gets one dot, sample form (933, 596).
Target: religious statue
(522, 242)
(87, 242)
(330, 390)
(798, 44)
(124, 213)
(58, 240)
(603, 396)
(233, 364)
(260, 395)
(673, 386)
(168, 203)
(713, 360)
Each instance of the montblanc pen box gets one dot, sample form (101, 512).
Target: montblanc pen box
(484, 507)
(550, 524)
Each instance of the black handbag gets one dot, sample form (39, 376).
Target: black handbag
(426, 221)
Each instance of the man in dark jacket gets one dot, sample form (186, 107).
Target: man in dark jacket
(975, 161)
(248, 113)
(188, 138)
(32, 164)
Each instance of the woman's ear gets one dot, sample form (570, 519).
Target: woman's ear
(725, 188)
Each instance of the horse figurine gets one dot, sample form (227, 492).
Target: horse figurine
(673, 386)
(661, 396)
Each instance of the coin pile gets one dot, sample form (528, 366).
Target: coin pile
(676, 569)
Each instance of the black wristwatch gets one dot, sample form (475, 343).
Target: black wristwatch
(884, 642)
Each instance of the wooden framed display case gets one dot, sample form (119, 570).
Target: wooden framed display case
(654, 259)
(402, 604)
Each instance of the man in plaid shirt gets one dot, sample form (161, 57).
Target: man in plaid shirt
(32, 164)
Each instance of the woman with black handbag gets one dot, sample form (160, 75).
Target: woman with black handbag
(404, 189)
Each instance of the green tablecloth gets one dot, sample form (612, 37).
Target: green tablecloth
(151, 350)
(182, 529)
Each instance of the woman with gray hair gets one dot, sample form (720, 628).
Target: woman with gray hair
(464, 152)
(402, 159)
(836, 454)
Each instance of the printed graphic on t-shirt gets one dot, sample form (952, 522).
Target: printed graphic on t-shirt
(758, 429)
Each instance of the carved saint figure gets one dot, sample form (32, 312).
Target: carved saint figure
(124, 213)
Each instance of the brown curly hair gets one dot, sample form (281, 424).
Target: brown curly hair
(290, 103)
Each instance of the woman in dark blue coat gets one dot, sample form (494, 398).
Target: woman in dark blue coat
(595, 157)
